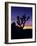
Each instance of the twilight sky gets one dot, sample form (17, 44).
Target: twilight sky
(20, 11)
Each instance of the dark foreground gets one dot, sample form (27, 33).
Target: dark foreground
(19, 33)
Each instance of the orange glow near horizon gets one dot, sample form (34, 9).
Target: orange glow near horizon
(27, 27)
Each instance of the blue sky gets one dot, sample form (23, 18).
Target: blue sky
(20, 11)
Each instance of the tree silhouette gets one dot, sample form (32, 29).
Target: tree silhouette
(18, 20)
(28, 18)
(22, 20)
(25, 19)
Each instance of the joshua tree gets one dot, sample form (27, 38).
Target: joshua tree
(25, 19)
(22, 20)
(18, 21)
